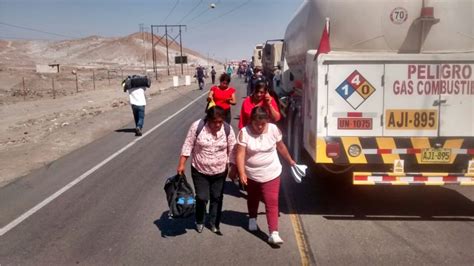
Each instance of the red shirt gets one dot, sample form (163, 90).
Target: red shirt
(221, 96)
(247, 107)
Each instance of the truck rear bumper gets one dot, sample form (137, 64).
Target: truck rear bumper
(406, 179)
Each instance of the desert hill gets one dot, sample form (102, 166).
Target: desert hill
(93, 51)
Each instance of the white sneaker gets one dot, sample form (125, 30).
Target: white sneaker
(275, 238)
(253, 224)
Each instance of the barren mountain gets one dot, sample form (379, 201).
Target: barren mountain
(93, 51)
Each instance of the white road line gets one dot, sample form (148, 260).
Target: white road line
(45, 202)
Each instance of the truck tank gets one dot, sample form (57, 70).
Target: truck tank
(388, 26)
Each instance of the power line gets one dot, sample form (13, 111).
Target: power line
(190, 11)
(36, 30)
(220, 16)
(171, 11)
(228, 12)
(20, 38)
(204, 11)
(200, 14)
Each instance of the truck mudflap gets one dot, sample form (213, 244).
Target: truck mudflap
(406, 179)
(415, 151)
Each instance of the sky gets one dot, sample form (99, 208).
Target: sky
(229, 31)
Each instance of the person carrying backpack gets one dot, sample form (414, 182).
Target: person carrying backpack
(136, 86)
(210, 142)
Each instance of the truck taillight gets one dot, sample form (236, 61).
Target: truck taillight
(333, 149)
(427, 12)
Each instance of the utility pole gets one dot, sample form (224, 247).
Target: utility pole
(143, 33)
(169, 40)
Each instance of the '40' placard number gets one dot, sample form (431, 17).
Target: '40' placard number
(356, 80)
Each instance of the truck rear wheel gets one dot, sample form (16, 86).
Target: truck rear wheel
(335, 168)
(297, 136)
(288, 127)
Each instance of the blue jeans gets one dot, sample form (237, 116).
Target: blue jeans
(138, 115)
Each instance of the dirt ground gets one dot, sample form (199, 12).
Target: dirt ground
(56, 96)
(39, 129)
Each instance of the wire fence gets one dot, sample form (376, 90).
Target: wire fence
(71, 81)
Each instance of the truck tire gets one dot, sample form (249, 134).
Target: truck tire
(297, 137)
(289, 127)
(336, 169)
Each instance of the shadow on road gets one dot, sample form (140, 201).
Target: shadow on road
(174, 227)
(232, 189)
(334, 197)
(126, 130)
(240, 219)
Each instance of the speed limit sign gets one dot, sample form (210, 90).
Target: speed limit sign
(399, 15)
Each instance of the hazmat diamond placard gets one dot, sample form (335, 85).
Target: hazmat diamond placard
(355, 89)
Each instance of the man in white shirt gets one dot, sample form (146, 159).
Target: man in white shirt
(138, 102)
(277, 80)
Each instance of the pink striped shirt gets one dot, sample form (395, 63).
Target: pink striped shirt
(210, 153)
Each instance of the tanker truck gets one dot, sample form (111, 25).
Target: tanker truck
(271, 58)
(392, 99)
(257, 55)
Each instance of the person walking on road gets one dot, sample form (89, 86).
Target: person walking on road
(277, 75)
(259, 97)
(254, 79)
(138, 102)
(229, 71)
(248, 75)
(213, 75)
(259, 168)
(211, 143)
(223, 95)
(200, 75)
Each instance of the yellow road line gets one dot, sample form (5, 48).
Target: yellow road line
(299, 235)
(300, 239)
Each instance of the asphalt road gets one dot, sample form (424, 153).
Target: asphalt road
(117, 214)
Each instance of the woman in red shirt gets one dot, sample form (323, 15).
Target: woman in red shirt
(223, 95)
(259, 97)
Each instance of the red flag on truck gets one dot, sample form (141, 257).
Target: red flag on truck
(324, 45)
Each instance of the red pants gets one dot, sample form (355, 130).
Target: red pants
(268, 192)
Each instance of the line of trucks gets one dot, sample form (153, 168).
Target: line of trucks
(392, 101)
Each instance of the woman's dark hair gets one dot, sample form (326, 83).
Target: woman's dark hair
(261, 84)
(259, 113)
(224, 77)
(215, 112)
